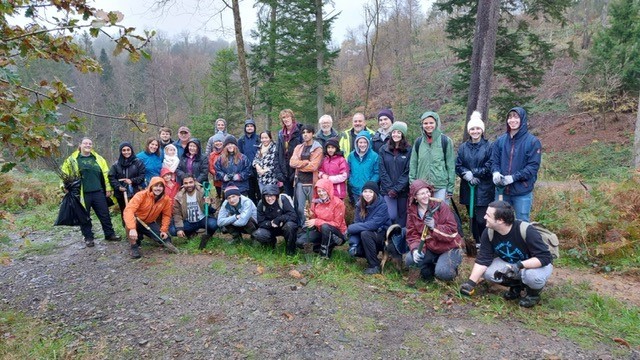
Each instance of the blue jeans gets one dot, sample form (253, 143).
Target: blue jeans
(441, 194)
(397, 210)
(521, 204)
(190, 228)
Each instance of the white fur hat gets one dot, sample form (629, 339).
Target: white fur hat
(475, 121)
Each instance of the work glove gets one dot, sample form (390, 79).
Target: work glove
(467, 175)
(226, 178)
(236, 177)
(468, 288)
(510, 271)
(507, 180)
(497, 178)
(418, 256)
(392, 194)
(474, 181)
(430, 222)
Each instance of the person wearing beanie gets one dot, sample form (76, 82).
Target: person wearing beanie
(193, 162)
(276, 217)
(348, 137)
(473, 167)
(220, 128)
(325, 129)
(126, 175)
(394, 159)
(248, 145)
(334, 167)
(306, 160)
(363, 165)
(216, 150)
(232, 166)
(367, 233)
(237, 215)
(381, 137)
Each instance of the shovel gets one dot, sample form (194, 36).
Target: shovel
(167, 245)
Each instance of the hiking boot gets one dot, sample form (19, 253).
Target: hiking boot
(307, 248)
(513, 293)
(236, 239)
(113, 237)
(169, 245)
(532, 298)
(135, 252)
(89, 242)
(337, 239)
(353, 250)
(372, 270)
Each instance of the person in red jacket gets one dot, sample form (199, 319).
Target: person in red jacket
(432, 220)
(325, 227)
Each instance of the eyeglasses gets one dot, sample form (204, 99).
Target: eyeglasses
(184, 132)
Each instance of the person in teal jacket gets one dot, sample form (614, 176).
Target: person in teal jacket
(433, 159)
(363, 162)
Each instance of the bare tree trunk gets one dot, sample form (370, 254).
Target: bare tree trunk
(372, 18)
(482, 58)
(242, 59)
(636, 142)
(319, 58)
(273, 16)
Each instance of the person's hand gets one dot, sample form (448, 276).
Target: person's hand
(430, 222)
(207, 200)
(507, 180)
(226, 178)
(497, 178)
(133, 234)
(418, 256)
(122, 188)
(181, 234)
(237, 177)
(310, 223)
(324, 176)
(109, 193)
(474, 181)
(163, 235)
(467, 175)
(468, 288)
(392, 194)
(274, 224)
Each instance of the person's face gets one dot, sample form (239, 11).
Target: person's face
(287, 120)
(358, 123)
(231, 148)
(490, 217)
(270, 199)
(193, 149)
(307, 136)
(384, 122)
(367, 195)
(189, 184)
(220, 126)
(85, 146)
(126, 152)
(363, 144)
(396, 135)
(233, 199)
(331, 150)
(513, 120)
(475, 133)
(322, 194)
(422, 196)
(428, 125)
(168, 177)
(264, 139)
(325, 125)
(170, 151)
(165, 135)
(218, 144)
(184, 135)
(153, 146)
(250, 129)
(157, 189)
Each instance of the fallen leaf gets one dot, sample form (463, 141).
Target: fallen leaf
(622, 342)
(295, 273)
(288, 315)
(260, 270)
(449, 302)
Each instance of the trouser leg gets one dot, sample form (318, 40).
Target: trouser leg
(446, 268)
(372, 243)
(289, 231)
(102, 212)
(86, 229)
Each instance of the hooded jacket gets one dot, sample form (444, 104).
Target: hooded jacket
(428, 160)
(444, 235)
(475, 157)
(248, 144)
(330, 212)
(246, 209)
(285, 151)
(362, 168)
(199, 166)
(377, 218)
(242, 168)
(152, 164)
(518, 156)
(170, 191)
(279, 215)
(337, 170)
(307, 166)
(379, 139)
(394, 170)
(147, 208)
(348, 139)
(180, 205)
(127, 168)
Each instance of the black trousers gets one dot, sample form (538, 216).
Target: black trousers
(267, 236)
(237, 231)
(142, 232)
(98, 202)
(372, 243)
(318, 238)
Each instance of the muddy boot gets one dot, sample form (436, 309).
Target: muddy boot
(532, 298)
(135, 251)
(89, 242)
(513, 293)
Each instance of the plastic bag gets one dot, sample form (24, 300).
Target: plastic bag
(72, 213)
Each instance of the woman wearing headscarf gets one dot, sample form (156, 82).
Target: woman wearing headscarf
(126, 175)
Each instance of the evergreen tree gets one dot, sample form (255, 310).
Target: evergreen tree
(224, 86)
(107, 70)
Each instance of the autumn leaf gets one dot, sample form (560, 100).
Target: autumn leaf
(288, 315)
(295, 274)
(260, 270)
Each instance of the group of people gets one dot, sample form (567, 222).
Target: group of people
(294, 185)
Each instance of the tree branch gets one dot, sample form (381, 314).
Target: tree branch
(45, 31)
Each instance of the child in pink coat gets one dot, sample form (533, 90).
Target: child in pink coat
(334, 167)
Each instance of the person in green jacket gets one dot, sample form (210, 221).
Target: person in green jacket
(433, 158)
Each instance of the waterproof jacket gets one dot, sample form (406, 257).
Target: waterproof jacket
(330, 212)
(377, 218)
(245, 208)
(348, 139)
(279, 215)
(152, 164)
(242, 168)
(476, 158)
(147, 208)
(213, 158)
(307, 166)
(130, 168)
(362, 168)
(428, 160)
(322, 138)
(518, 156)
(170, 191)
(70, 167)
(285, 150)
(180, 205)
(248, 144)
(378, 140)
(337, 170)
(394, 170)
(269, 162)
(199, 167)
(444, 235)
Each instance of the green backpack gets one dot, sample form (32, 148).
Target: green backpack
(548, 237)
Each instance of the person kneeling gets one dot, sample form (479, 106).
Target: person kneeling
(192, 211)
(237, 214)
(506, 258)
(276, 217)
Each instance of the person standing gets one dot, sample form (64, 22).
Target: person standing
(334, 168)
(220, 128)
(325, 129)
(94, 188)
(165, 137)
(184, 135)
(394, 158)
(363, 165)
(348, 137)
(289, 137)
(193, 162)
(151, 159)
(248, 145)
(266, 161)
(232, 167)
(306, 159)
(126, 175)
(383, 134)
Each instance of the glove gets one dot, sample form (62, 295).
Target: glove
(467, 175)
(418, 256)
(392, 194)
(226, 178)
(510, 271)
(474, 181)
(236, 177)
(507, 180)
(497, 178)
(468, 288)
(430, 222)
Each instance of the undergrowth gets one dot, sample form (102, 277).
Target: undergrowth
(597, 161)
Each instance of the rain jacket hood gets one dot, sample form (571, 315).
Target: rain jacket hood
(437, 131)
(364, 134)
(524, 122)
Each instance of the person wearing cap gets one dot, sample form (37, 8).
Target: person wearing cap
(394, 157)
(325, 129)
(237, 214)
(306, 159)
(232, 167)
(220, 128)
(289, 137)
(189, 212)
(216, 150)
(126, 175)
(248, 145)
(193, 162)
(334, 168)
(184, 135)
(276, 217)
(474, 168)
(432, 157)
(266, 161)
(363, 165)
(348, 137)
(367, 233)
(382, 135)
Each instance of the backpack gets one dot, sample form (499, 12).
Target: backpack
(548, 237)
(444, 142)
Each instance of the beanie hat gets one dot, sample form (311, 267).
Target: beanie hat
(219, 136)
(400, 126)
(333, 142)
(231, 190)
(386, 112)
(475, 121)
(249, 122)
(371, 185)
(230, 139)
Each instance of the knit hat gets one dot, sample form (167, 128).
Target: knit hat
(230, 139)
(400, 126)
(386, 112)
(371, 185)
(219, 136)
(475, 121)
(231, 190)
(333, 142)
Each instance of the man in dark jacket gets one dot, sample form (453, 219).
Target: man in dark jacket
(515, 161)
(248, 145)
(276, 217)
(507, 257)
(325, 129)
(382, 135)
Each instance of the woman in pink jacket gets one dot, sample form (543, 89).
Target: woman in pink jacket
(334, 168)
